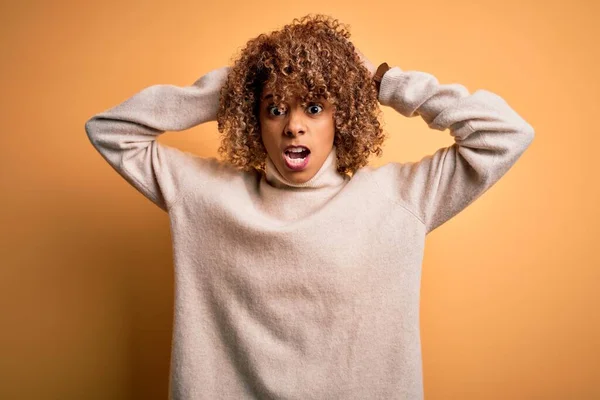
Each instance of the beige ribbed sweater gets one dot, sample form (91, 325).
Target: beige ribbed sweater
(304, 291)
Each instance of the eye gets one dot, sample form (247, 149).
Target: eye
(316, 108)
(275, 111)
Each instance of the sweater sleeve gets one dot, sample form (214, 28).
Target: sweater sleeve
(125, 135)
(489, 137)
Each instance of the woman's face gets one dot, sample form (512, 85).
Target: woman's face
(295, 124)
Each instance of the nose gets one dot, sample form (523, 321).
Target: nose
(295, 125)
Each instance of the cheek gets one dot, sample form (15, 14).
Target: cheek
(269, 137)
(328, 129)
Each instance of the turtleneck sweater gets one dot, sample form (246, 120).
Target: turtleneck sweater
(304, 291)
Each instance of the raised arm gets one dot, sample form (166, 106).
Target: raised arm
(489, 137)
(125, 135)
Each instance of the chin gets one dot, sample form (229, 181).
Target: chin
(300, 176)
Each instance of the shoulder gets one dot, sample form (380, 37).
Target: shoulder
(217, 170)
(211, 178)
(397, 181)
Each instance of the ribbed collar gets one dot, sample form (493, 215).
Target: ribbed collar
(327, 176)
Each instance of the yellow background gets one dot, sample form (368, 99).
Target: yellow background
(510, 285)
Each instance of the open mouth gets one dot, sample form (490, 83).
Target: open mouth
(297, 154)
(296, 158)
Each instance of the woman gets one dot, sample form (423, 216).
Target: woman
(297, 266)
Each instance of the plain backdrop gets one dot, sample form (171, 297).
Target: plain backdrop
(509, 287)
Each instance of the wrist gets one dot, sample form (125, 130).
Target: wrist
(378, 76)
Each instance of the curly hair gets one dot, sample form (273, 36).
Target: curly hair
(310, 58)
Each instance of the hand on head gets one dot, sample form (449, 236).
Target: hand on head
(368, 64)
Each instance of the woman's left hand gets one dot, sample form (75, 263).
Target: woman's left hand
(368, 64)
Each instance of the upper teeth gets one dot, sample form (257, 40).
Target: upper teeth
(296, 149)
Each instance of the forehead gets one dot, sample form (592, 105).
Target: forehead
(284, 88)
(268, 95)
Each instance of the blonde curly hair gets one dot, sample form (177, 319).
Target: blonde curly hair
(311, 58)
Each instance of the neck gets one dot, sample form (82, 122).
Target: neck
(326, 176)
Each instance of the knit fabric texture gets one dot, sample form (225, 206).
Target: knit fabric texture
(304, 291)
